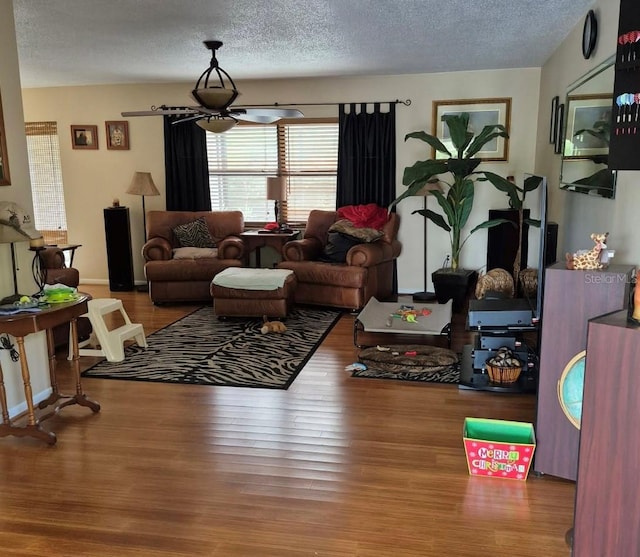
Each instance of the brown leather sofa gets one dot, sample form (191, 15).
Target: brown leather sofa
(56, 272)
(368, 270)
(189, 280)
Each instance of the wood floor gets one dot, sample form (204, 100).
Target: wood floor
(333, 467)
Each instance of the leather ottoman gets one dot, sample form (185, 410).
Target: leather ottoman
(242, 292)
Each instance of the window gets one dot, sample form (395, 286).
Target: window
(45, 170)
(305, 152)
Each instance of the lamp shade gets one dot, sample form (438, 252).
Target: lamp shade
(276, 188)
(142, 184)
(16, 225)
(428, 187)
(216, 125)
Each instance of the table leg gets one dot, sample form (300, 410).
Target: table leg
(3, 401)
(55, 393)
(32, 428)
(79, 398)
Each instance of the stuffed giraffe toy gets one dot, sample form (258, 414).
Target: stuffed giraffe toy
(587, 260)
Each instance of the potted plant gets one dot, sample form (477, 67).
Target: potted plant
(457, 201)
(516, 197)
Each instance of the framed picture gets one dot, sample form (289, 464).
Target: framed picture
(117, 134)
(5, 179)
(482, 112)
(559, 129)
(553, 125)
(588, 126)
(84, 137)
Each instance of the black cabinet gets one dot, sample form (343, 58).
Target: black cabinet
(502, 240)
(119, 257)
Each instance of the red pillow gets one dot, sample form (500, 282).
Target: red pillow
(365, 216)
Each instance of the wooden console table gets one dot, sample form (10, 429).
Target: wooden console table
(22, 324)
(255, 240)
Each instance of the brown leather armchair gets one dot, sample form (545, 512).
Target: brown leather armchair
(56, 272)
(367, 271)
(188, 279)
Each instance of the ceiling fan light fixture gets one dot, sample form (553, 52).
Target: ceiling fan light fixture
(216, 125)
(216, 96)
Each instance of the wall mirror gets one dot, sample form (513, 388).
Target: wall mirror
(587, 130)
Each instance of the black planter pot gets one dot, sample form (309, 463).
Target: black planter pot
(454, 285)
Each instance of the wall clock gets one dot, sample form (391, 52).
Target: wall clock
(589, 34)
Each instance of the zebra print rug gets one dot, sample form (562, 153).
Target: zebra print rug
(201, 350)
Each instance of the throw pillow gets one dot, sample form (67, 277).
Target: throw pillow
(194, 234)
(365, 235)
(337, 247)
(194, 253)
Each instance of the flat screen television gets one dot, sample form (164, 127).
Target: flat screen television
(516, 313)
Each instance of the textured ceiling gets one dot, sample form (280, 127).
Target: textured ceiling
(82, 42)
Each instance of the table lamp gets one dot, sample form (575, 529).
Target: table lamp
(16, 226)
(142, 184)
(276, 192)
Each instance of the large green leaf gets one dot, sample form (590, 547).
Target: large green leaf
(434, 217)
(465, 202)
(490, 224)
(462, 167)
(532, 182)
(447, 206)
(458, 125)
(504, 185)
(430, 139)
(487, 134)
(423, 171)
(412, 190)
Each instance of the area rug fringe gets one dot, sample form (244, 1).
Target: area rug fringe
(199, 349)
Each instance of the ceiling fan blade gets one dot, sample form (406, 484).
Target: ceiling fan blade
(275, 111)
(256, 118)
(263, 115)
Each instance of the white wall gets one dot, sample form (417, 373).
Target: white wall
(20, 192)
(93, 178)
(579, 215)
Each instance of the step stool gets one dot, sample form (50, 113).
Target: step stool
(111, 341)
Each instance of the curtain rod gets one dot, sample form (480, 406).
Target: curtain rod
(406, 102)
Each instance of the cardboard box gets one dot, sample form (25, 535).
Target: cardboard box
(498, 448)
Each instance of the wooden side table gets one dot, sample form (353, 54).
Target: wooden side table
(22, 324)
(256, 240)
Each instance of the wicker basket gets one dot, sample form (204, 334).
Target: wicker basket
(503, 375)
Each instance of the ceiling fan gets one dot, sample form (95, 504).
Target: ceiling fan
(215, 95)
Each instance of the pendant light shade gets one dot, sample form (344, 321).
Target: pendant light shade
(216, 124)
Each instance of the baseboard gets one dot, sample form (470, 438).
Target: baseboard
(21, 408)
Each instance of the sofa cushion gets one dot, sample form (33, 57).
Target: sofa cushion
(338, 244)
(194, 234)
(194, 253)
(363, 234)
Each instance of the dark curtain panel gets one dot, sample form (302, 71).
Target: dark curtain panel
(186, 167)
(366, 156)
